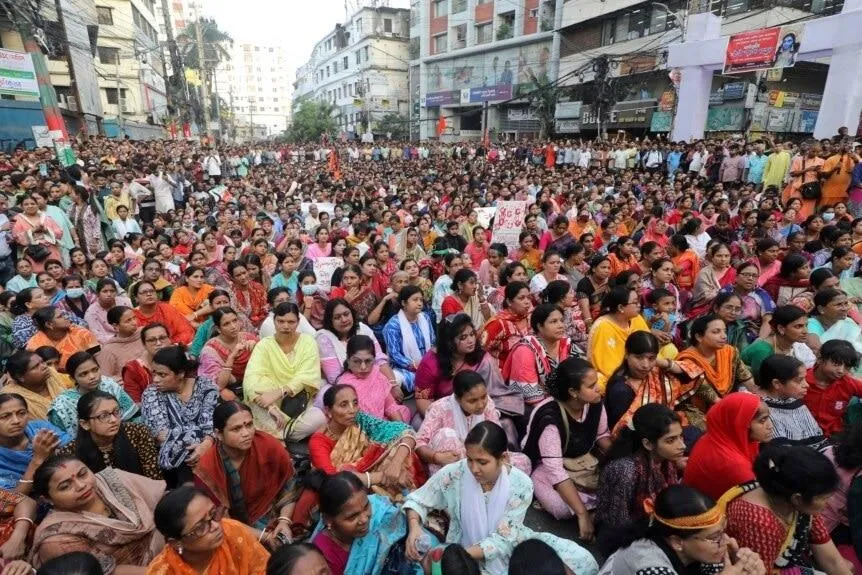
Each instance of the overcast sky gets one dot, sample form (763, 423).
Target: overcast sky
(282, 22)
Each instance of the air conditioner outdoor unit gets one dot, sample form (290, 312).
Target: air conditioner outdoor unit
(125, 107)
(72, 103)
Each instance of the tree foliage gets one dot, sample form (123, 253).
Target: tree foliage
(393, 123)
(215, 44)
(311, 119)
(543, 101)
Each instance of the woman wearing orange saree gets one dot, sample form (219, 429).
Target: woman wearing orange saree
(201, 540)
(249, 473)
(645, 378)
(711, 358)
(685, 261)
(191, 299)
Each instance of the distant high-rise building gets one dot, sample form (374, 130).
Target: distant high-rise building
(256, 84)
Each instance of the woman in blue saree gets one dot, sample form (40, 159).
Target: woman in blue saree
(359, 533)
(24, 443)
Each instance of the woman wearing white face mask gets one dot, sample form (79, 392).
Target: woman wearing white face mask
(486, 500)
(311, 299)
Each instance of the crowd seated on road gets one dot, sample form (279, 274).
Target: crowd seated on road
(370, 359)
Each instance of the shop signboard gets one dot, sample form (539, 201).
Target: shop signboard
(436, 99)
(568, 110)
(520, 114)
(661, 121)
(810, 101)
(734, 91)
(486, 94)
(762, 49)
(17, 75)
(780, 99)
(724, 119)
(716, 98)
(779, 120)
(567, 126)
(759, 117)
(806, 119)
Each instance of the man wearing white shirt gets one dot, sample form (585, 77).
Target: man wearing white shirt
(212, 165)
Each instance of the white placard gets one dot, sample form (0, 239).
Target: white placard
(485, 215)
(508, 223)
(323, 270)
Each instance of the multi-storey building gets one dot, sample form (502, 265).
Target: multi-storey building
(361, 68)
(466, 53)
(256, 84)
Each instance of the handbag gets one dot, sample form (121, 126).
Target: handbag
(294, 405)
(810, 190)
(582, 470)
(37, 252)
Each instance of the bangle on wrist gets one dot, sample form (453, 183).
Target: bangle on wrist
(25, 481)
(286, 519)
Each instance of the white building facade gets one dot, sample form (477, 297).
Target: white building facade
(256, 84)
(362, 69)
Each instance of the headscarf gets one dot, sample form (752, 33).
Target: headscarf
(723, 457)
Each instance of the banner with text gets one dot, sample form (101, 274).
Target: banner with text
(17, 76)
(763, 49)
(323, 270)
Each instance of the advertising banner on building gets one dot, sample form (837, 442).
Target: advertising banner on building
(446, 98)
(724, 119)
(566, 110)
(762, 49)
(806, 119)
(508, 223)
(661, 121)
(486, 94)
(665, 103)
(17, 76)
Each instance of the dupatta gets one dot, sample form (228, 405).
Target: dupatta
(480, 515)
(721, 376)
(130, 536)
(659, 387)
(251, 491)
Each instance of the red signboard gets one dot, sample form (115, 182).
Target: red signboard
(753, 50)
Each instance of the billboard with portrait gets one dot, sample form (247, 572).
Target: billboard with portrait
(491, 76)
(763, 49)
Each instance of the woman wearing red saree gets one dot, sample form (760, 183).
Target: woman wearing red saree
(137, 374)
(386, 266)
(248, 472)
(249, 295)
(655, 233)
(380, 453)
(509, 326)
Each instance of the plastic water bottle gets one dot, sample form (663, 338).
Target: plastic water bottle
(424, 544)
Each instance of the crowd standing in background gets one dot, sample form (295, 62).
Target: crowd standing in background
(349, 359)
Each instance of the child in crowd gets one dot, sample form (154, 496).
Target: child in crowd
(661, 315)
(830, 386)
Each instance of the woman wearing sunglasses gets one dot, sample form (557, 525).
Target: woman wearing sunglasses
(200, 539)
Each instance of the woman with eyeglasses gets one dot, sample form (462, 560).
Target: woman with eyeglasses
(107, 514)
(85, 372)
(138, 374)
(151, 310)
(757, 305)
(105, 440)
(201, 539)
(682, 530)
(620, 317)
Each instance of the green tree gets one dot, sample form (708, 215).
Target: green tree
(215, 44)
(393, 123)
(311, 119)
(543, 101)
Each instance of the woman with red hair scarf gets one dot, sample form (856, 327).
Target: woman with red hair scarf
(723, 457)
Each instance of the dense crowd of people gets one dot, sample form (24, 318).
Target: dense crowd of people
(330, 359)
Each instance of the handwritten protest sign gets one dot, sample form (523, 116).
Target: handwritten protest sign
(508, 223)
(324, 268)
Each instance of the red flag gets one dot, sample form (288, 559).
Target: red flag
(334, 164)
(441, 126)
